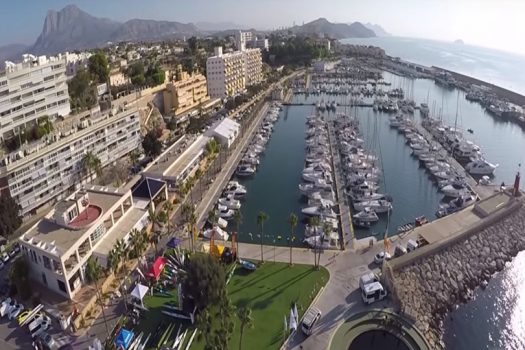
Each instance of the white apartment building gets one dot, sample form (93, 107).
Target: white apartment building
(31, 89)
(257, 43)
(242, 39)
(230, 73)
(225, 73)
(75, 61)
(89, 222)
(47, 170)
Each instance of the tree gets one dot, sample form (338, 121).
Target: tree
(212, 147)
(93, 273)
(91, 164)
(82, 94)
(245, 319)
(19, 274)
(314, 222)
(193, 44)
(152, 146)
(155, 75)
(10, 219)
(136, 74)
(188, 212)
(292, 220)
(134, 157)
(168, 209)
(327, 230)
(261, 218)
(237, 218)
(98, 67)
(155, 220)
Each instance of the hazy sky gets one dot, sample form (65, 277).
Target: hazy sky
(492, 23)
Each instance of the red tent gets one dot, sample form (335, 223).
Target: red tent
(157, 268)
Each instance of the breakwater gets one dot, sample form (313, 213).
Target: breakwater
(427, 285)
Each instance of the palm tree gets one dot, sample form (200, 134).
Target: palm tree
(168, 208)
(237, 218)
(314, 222)
(134, 157)
(292, 220)
(91, 165)
(327, 229)
(245, 319)
(93, 272)
(188, 211)
(261, 218)
(155, 219)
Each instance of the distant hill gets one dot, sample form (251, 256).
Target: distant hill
(219, 26)
(322, 26)
(71, 29)
(378, 30)
(11, 52)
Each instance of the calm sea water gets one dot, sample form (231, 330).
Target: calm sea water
(500, 68)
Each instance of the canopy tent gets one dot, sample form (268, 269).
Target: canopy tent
(139, 291)
(123, 339)
(157, 267)
(174, 242)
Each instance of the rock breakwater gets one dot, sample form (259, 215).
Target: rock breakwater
(428, 288)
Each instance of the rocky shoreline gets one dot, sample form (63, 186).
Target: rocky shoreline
(428, 289)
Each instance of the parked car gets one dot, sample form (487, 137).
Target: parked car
(399, 250)
(1, 265)
(373, 292)
(5, 258)
(380, 257)
(47, 340)
(412, 245)
(310, 319)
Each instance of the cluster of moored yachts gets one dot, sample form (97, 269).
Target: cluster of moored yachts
(361, 173)
(433, 156)
(317, 187)
(230, 201)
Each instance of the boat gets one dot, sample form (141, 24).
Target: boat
(379, 206)
(366, 215)
(225, 213)
(235, 188)
(247, 265)
(217, 233)
(485, 181)
(361, 224)
(480, 167)
(230, 202)
(454, 190)
(245, 170)
(319, 210)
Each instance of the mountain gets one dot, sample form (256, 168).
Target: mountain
(71, 29)
(11, 52)
(322, 26)
(218, 26)
(377, 29)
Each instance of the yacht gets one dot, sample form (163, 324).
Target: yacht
(230, 202)
(245, 170)
(225, 212)
(236, 189)
(366, 215)
(454, 190)
(315, 199)
(217, 233)
(319, 210)
(379, 206)
(480, 167)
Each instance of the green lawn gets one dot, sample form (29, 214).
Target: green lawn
(270, 292)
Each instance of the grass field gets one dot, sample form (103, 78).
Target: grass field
(270, 292)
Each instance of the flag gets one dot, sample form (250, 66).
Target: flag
(296, 315)
(285, 325)
(293, 324)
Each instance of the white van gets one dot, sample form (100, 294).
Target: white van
(373, 292)
(412, 245)
(367, 279)
(310, 319)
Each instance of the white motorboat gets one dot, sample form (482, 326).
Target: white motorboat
(359, 196)
(318, 242)
(366, 215)
(225, 212)
(235, 189)
(364, 186)
(319, 201)
(312, 177)
(380, 206)
(481, 167)
(322, 184)
(454, 190)
(230, 202)
(324, 211)
(485, 181)
(245, 170)
(217, 233)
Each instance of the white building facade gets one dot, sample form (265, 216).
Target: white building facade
(31, 89)
(229, 74)
(48, 170)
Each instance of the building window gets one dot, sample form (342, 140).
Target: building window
(62, 286)
(99, 231)
(47, 262)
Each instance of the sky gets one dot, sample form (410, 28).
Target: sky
(490, 23)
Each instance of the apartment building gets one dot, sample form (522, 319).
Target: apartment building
(47, 170)
(87, 223)
(225, 73)
(75, 61)
(242, 39)
(230, 73)
(31, 89)
(187, 92)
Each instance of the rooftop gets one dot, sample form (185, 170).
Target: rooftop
(47, 234)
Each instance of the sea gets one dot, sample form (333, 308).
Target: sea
(495, 318)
